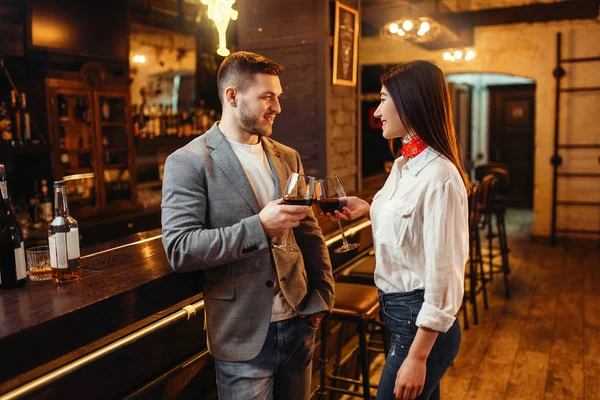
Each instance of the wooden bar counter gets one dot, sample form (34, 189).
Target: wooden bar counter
(120, 331)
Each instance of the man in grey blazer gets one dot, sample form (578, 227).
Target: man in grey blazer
(221, 208)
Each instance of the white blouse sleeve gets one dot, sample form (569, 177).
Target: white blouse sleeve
(446, 247)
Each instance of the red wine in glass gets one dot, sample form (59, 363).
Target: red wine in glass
(293, 200)
(331, 198)
(299, 191)
(333, 204)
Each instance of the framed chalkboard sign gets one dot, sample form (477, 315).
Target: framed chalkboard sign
(345, 45)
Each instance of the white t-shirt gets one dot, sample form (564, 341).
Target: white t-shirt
(261, 177)
(421, 235)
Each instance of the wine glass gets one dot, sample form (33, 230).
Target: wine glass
(331, 197)
(299, 191)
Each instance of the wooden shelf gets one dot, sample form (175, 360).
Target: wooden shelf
(24, 149)
(117, 123)
(116, 166)
(74, 171)
(75, 123)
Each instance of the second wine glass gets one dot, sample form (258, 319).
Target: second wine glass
(331, 198)
(299, 191)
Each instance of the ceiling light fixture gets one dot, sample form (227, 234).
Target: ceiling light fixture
(459, 55)
(413, 30)
(221, 12)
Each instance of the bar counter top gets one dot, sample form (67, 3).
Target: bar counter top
(126, 284)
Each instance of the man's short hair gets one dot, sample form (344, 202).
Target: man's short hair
(239, 67)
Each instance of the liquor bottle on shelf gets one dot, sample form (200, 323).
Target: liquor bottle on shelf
(17, 126)
(63, 238)
(45, 203)
(85, 111)
(136, 121)
(106, 149)
(26, 119)
(63, 109)
(162, 120)
(34, 203)
(12, 250)
(5, 124)
(106, 110)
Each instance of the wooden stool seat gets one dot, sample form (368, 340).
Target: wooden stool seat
(362, 272)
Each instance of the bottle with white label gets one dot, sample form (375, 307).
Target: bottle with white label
(63, 238)
(12, 252)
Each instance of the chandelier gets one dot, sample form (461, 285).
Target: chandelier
(413, 30)
(459, 55)
(221, 12)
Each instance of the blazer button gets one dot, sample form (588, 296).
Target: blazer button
(269, 283)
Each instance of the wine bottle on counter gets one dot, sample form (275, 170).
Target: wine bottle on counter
(12, 251)
(63, 238)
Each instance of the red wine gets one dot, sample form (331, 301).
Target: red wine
(297, 201)
(331, 204)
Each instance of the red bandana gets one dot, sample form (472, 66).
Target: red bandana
(413, 147)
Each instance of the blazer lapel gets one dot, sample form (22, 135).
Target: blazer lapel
(277, 165)
(225, 158)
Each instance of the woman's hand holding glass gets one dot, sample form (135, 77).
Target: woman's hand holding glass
(355, 208)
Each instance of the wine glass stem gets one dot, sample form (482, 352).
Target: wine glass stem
(344, 240)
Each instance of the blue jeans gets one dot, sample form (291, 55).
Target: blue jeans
(399, 312)
(282, 369)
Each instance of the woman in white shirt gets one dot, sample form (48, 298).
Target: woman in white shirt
(420, 232)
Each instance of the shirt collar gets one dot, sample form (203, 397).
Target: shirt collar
(419, 162)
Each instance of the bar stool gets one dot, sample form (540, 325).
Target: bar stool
(492, 207)
(362, 272)
(475, 273)
(354, 304)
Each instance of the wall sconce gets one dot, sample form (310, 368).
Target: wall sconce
(139, 59)
(221, 12)
(459, 55)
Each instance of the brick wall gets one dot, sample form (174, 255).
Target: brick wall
(529, 50)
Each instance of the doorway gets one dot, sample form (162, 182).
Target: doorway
(501, 109)
(512, 116)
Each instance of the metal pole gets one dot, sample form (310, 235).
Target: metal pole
(556, 160)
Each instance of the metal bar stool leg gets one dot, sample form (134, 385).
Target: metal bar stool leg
(473, 286)
(338, 356)
(322, 393)
(502, 240)
(364, 360)
(479, 259)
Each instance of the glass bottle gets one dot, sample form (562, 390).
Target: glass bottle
(12, 251)
(63, 238)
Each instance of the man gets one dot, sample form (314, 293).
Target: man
(263, 304)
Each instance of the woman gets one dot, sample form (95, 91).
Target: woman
(420, 232)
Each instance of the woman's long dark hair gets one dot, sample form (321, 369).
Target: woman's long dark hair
(420, 95)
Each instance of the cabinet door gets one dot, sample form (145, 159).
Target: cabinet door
(115, 148)
(73, 143)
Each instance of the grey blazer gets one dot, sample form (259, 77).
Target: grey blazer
(210, 222)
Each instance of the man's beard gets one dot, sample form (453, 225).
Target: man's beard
(250, 123)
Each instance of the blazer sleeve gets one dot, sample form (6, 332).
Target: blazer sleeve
(189, 244)
(310, 240)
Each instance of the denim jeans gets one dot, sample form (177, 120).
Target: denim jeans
(399, 312)
(282, 369)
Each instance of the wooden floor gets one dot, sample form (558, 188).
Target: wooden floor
(543, 342)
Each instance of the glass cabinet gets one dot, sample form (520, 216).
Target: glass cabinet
(92, 144)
